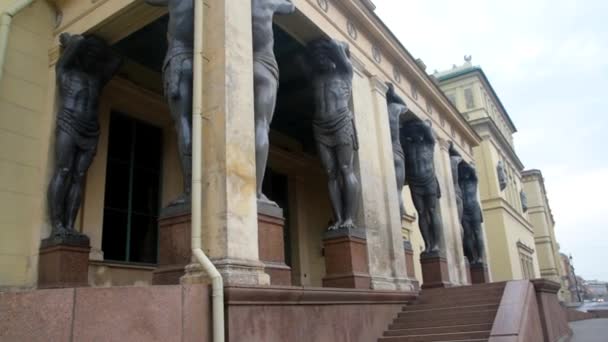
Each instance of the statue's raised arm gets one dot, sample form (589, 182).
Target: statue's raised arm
(342, 56)
(427, 132)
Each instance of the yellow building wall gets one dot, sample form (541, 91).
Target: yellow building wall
(24, 142)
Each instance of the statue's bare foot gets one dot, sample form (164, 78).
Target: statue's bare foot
(60, 231)
(181, 200)
(435, 249)
(347, 224)
(263, 199)
(334, 226)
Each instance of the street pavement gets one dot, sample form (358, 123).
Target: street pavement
(590, 330)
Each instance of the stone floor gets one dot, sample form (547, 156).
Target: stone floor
(591, 330)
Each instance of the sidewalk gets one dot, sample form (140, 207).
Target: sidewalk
(591, 330)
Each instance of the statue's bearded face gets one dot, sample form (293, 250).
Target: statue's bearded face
(322, 60)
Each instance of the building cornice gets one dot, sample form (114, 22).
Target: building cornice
(497, 136)
(386, 39)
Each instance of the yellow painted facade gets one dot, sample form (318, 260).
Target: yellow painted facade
(541, 217)
(510, 236)
(27, 121)
(25, 130)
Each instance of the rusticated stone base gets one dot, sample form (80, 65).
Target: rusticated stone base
(271, 243)
(434, 271)
(346, 263)
(174, 233)
(64, 263)
(479, 273)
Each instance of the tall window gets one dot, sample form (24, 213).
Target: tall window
(130, 229)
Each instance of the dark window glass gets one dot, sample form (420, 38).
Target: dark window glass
(130, 228)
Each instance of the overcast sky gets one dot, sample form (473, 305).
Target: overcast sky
(548, 62)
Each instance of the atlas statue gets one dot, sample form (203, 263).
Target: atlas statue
(396, 111)
(472, 216)
(334, 127)
(177, 82)
(265, 79)
(85, 66)
(419, 147)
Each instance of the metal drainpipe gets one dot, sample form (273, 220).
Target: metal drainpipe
(5, 28)
(217, 283)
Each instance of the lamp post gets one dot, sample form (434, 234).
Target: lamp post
(578, 295)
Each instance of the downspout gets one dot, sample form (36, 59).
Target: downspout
(5, 27)
(217, 283)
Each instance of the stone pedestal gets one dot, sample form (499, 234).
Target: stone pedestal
(479, 273)
(346, 264)
(434, 271)
(409, 263)
(174, 232)
(64, 262)
(271, 244)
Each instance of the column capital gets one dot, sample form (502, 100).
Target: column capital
(359, 66)
(379, 85)
(444, 144)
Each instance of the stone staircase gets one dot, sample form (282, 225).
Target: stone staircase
(455, 314)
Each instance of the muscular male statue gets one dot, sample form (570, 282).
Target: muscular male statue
(472, 216)
(177, 79)
(83, 69)
(333, 126)
(419, 144)
(265, 77)
(455, 160)
(396, 109)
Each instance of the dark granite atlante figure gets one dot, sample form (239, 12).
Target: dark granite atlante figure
(472, 216)
(524, 201)
(177, 79)
(83, 69)
(419, 146)
(502, 175)
(265, 78)
(334, 127)
(455, 160)
(396, 110)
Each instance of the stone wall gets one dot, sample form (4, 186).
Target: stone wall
(156, 313)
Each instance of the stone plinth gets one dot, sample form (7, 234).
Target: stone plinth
(346, 264)
(271, 243)
(174, 231)
(64, 262)
(434, 271)
(409, 263)
(479, 273)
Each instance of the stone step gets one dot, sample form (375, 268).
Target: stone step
(439, 330)
(438, 307)
(476, 301)
(438, 337)
(471, 318)
(446, 313)
(467, 288)
(463, 293)
(473, 299)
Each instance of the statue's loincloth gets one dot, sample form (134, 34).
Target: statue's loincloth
(84, 132)
(268, 62)
(338, 130)
(425, 186)
(172, 70)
